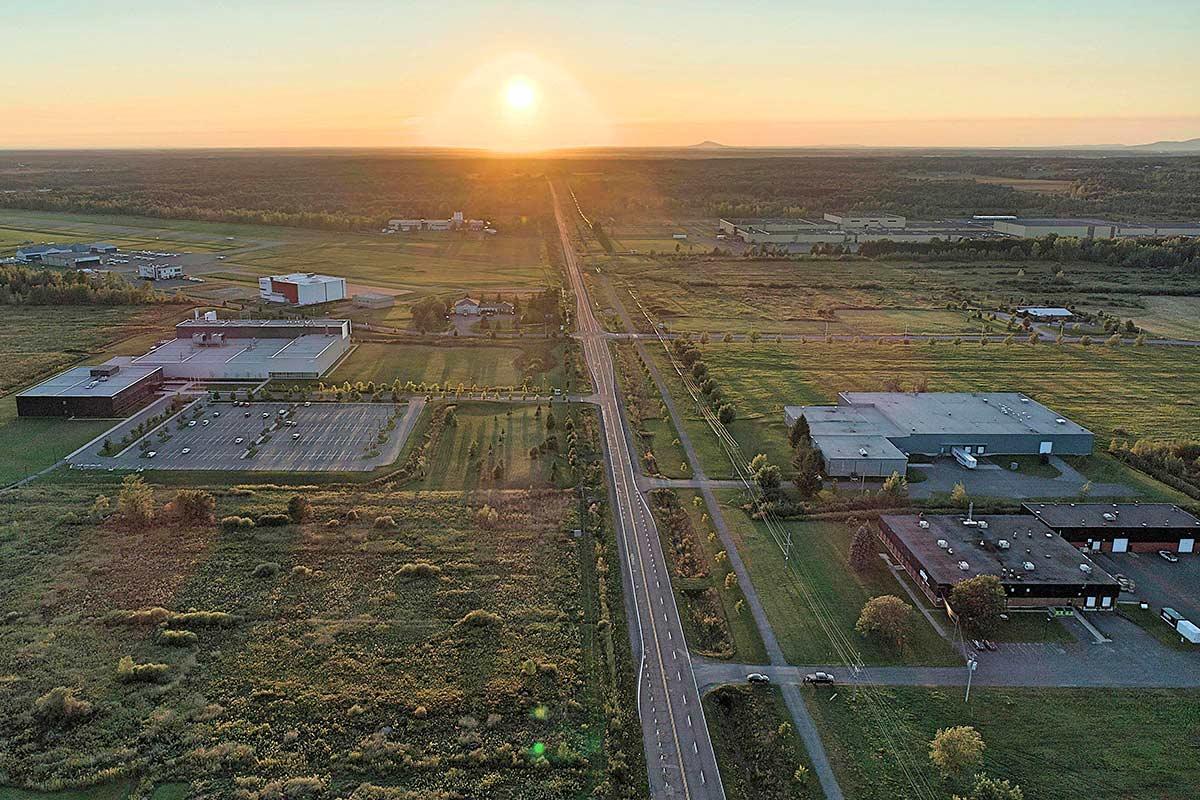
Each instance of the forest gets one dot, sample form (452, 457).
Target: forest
(44, 287)
(362, 189)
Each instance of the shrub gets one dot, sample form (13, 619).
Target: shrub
(480, 619)
(299, 509)
(386, 521)
(60, 705)
(234, 523)
(135, 501)
(130, 672)
(420, 569)
(172, 638)
(420, 712)
(954, 750)
(266, 569)
(194, 505)
(273, 520)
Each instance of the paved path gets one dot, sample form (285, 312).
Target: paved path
(680, 759)
(805, 726)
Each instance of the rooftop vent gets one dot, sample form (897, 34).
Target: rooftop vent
(1060, 421)
(924, 523)
(1109, 516)
(1003, 544)
(1086, 569)
(964, 566)
(1028, 565)
(942, 543)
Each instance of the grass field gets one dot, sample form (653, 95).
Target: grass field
(1145, 391)
(463, 652)
(1171, 316)
(1055, 743)
(486, 366)
(30, 444)
(820, 563)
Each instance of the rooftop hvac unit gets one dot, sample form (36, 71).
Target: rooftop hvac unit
(862, 451)
(1003, 544)
(983, 523)
(1086, 569)
(1060, 421)
(1024, 399)
(1109, 516)
(924, 523)
(210, 316)
(942, 543)
(964, 566)
(1028, 565)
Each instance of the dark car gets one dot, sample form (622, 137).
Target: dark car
(818, 677)
(757, 677)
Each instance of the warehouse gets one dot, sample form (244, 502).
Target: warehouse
(1036, 567)
(39, 253)
(867, 219)
(849, 230)
(854, 436)
(374, 300)
(106, 390)
(160, 272)
(1121, 527)
(1086, 228)
(301, 289)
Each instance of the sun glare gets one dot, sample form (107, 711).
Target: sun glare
(519, 94)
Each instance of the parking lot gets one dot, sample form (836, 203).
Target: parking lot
(1159, 582)
(322, 437)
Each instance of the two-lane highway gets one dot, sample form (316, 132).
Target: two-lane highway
(679, 752)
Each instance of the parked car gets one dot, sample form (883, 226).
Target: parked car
(238, 440)
(307, 403)
(819, 677)
(191, 423)
(295, 436)
(151, 453)
(757, 677)
(185, 450)
(246, 415)
(1167, 555)
(266, 415)
(216, 413)
(979, 646)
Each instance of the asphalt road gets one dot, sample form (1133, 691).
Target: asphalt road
(679, 753)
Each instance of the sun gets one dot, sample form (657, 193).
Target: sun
(520, 94)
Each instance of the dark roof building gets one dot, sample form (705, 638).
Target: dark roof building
(1120, 527)
(1036, 567)
(105, 390)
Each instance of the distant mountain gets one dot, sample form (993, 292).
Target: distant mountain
(709, 144)
(1185, 146)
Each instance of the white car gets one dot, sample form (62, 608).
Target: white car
(185, 450)
(757, 677)
(205, 424)
(295, 436)
(266, 415)
(191, 423)
(216, 413)
(238, 440)
(151, 453)
(307, 403)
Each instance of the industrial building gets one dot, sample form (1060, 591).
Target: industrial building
(1121, 527)
(469, 307)
(454, 223)
(67, 254)
(374, 300)
(850, 230)
(159, 272)
(301, 289)
(106, 390)
(1036, 567)
(1046, 313)
(1086, 228)
(872, 433)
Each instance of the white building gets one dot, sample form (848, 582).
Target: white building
(159, 272)
(301, 289)
(455, 222)
(868, 219)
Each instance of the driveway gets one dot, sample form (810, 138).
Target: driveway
(1159, 582)
(991, 480)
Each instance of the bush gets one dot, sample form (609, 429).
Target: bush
(299, 509)
(480, 619)
(273, 520)
(172, 638)
(130, 672)
(420, 569)
(194, 505)
(60, 705)
(135, 501)
(385, 522)
(267, 569)
(726, 414)
(234, 523)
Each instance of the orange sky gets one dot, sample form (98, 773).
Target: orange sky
(759, 73)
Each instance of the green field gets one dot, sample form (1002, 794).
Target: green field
(31, 444)
(1142, 391)
(757, 749)
(537, 363)
(1055, 743)
(465, 649)
(1171, 316)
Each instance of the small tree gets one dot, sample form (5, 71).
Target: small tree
(800, 433)
(955, 750)
(726, 414)
(959, 496)
(862, 548)
(896, 485)
(807, 464)
(101, 507)
(194, 505)
(299, 509)
(979, 602)
(887, 617)
(135, 501)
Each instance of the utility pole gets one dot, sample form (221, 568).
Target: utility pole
(972, 663)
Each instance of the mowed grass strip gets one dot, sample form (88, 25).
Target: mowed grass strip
(1055, 743)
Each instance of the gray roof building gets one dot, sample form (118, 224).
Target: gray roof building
(890, 425)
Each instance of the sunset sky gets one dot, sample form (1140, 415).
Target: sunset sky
(523, 76)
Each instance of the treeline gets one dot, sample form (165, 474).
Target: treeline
(331, 191)
(1174, 462)
(1168, 253)
(44, 287)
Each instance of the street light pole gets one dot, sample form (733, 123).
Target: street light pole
(972, 663)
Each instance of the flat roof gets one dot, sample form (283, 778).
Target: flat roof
(237, 352)
(1054, 560)
(1125, 515)
(76, 382)
(964, 412)
(265, 324)
(1042, 311)
(852, 446)
(306, 277)
(1051, 221)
